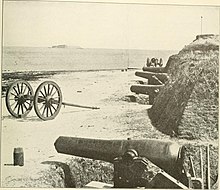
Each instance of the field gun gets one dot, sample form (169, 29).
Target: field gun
(131, 159)
(47, 100)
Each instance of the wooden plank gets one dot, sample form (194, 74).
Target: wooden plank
(208, 169)
(98, 185)
(201, 166)
(164, 181)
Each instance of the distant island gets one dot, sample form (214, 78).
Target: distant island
(65, 46)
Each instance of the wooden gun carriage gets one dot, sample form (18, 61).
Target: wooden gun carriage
(47, 100)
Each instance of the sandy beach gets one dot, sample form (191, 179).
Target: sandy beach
(117, 118)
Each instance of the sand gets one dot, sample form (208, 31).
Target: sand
(117, 118)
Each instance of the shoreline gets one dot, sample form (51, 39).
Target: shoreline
(67, 71)
(34, 75)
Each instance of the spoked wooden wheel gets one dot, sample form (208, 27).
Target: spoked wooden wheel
(19, 98)
(47, 100)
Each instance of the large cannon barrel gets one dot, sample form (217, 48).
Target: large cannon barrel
(163, 77)
(145, 89)
(166, 155)
(155, 69)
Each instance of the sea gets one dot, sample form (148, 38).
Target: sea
(76, 59)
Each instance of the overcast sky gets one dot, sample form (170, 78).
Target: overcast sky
(102, 25)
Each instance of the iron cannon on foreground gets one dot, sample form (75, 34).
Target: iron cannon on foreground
(131, 159)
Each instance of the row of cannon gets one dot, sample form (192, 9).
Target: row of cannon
(156, 76)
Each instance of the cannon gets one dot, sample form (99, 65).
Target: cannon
(161, 77)
(47, 100)
(146, 89)
(131, 158)
(157, 77)
(155, 69)
(151, 90)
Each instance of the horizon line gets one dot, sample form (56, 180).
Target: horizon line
(79, 47)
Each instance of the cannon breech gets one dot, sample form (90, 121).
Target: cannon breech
(127, 154)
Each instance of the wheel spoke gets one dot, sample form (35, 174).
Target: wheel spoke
(57, 97)
(53, 107)
(45, 90)
(13, 94)
(25, 106)
(15, 107)
(55, 102)
(29, 92)
(44, 109)
(18, 109)
(18, 88)
(47, 112)
(51, 90)
(48, 90)
(13, 103)
(42, 94)
(41, 99)
(22, 110)
(51, 110)
(22, 87)
(53, 94)
(25, 88)
(13, 99)
(28, 103)
(41, 107)
(15, 90)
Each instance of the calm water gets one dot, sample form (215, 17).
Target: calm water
(55, 59)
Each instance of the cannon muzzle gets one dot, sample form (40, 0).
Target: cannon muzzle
(146, 89)
(166, 155)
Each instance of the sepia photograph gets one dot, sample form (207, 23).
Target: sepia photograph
(109, 94)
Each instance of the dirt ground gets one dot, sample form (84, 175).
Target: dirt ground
(117, 118)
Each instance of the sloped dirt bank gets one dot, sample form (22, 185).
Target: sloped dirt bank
(188, 104)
